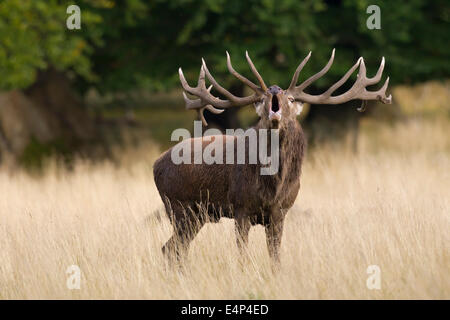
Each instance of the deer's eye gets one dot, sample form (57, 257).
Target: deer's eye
(291, 99)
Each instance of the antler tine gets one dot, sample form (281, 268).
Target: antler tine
(362, 74)
(183, 81)
(378, 75)
(319, 74)
(357, 91)
(381, 93)
(298, 70)
(218, 87)
(197, 104)
(333, 88)
(207, 100)
(200, 91)
(240, 77)
(201, 84)
(255, 72)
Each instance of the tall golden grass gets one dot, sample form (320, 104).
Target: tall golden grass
(388, 205)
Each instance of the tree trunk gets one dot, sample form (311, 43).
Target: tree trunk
(45, 115)
(64, 111)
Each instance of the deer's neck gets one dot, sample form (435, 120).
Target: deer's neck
(292, 146)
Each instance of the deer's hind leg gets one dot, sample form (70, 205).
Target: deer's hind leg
(187, 222)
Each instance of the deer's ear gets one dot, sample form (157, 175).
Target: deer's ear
(259, 108)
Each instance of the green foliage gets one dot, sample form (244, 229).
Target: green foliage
(277, 34)
(414, 38)
(179, 32)
(34, 36)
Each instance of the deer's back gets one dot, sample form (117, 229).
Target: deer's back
(190, 182)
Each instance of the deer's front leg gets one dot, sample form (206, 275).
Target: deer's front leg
(274, 233)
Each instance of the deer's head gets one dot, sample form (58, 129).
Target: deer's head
(274, 105)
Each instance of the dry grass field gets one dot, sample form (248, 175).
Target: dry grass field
(387, 205)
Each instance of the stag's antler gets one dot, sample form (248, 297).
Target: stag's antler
(357, 91)
(208, 101)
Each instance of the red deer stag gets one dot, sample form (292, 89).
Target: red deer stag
(194, 194)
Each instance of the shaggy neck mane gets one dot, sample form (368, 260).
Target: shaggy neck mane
(292, 145)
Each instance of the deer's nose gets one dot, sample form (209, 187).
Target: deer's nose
(274, 90)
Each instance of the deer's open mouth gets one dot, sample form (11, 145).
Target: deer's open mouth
(275, 105)
(275, 112)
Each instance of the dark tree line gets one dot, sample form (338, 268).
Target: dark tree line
(131, 44)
